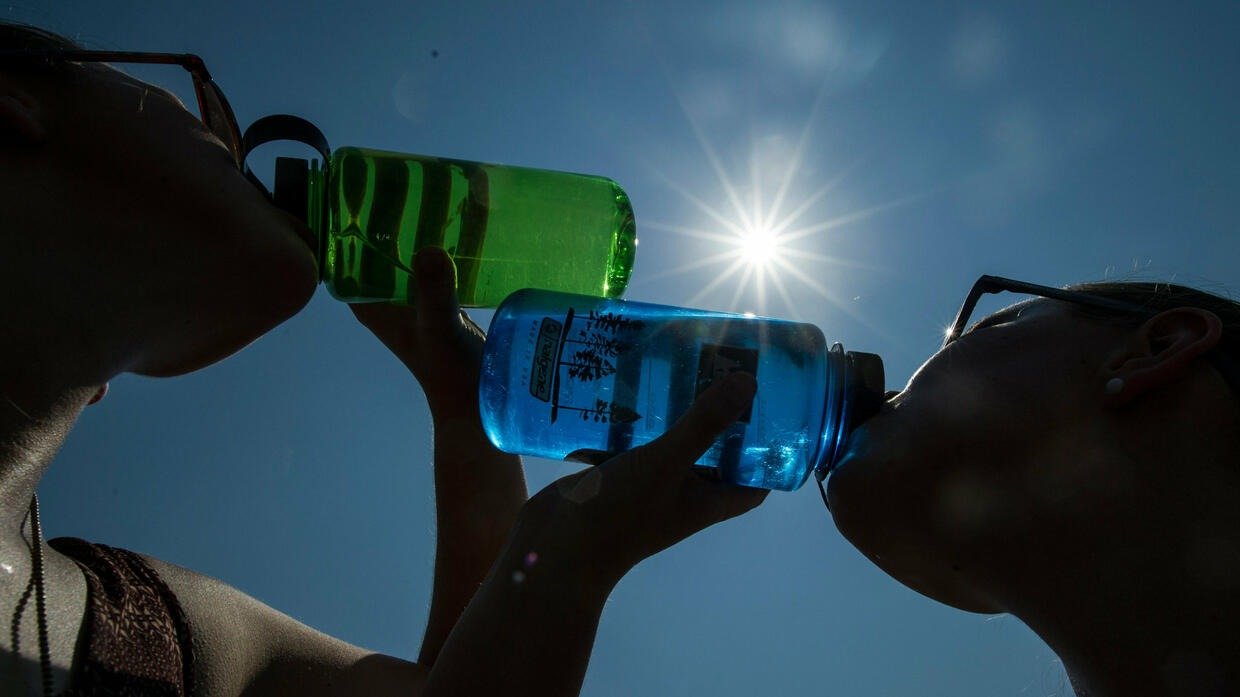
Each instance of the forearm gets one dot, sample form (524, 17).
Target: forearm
(530, 629)
(478, 492)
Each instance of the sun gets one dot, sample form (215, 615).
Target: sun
(759, 239)
(765, 237)
(759, 246)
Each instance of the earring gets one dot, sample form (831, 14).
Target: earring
(1115, 386)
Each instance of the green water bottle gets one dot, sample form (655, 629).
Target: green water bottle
(506, 228)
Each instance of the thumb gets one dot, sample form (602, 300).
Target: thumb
(435, 276)
(588, 456)
(713, 411)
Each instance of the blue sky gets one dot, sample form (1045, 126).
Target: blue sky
(1052, 142)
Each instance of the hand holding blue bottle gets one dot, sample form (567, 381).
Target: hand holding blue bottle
(565, 375)
(649, 498)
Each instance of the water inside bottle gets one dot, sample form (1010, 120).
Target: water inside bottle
(610, 381)
(506, 228)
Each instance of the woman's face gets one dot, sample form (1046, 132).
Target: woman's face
(969, 471)
(167, 252)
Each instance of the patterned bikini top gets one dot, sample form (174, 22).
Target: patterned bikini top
(135, 640)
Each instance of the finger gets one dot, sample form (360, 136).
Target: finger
(713, 411)
(578, 487)
(582, 486)
(587, 456)
(718, 501)
(437, 304)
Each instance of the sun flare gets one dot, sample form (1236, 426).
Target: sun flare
(759, 246)
(764, 235)
(760, 240)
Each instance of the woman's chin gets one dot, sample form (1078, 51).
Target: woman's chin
(227, 327)
(882, 512)
(940, 580)
(296, 286)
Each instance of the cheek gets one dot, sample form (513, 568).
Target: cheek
(1001, 389)
(945, 466)
(971, 374)
(881, 491)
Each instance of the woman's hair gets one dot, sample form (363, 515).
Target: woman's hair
(23, 37)
(1165, 296)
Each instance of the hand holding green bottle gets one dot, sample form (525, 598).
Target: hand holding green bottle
(435, 340)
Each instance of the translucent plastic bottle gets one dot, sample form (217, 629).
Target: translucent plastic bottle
(563, 373)
(506, 228)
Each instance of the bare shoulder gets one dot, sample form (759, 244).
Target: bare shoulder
(244, 647)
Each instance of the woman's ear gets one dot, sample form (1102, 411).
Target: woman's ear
(1160, 352)
(21, 114)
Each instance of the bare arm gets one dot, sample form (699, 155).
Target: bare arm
(478, 489)
(478, 493)
(531, 627)
(529, 630)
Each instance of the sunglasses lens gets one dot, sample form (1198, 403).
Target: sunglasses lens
(218, 116)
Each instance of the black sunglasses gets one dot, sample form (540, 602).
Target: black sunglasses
(1221, 362)
(213, 107)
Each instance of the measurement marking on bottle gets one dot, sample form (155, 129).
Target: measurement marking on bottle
(555, 388)
(543, 369)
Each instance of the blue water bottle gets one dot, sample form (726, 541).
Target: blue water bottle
(563, 373)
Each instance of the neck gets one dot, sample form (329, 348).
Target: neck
(1165, 649)
(1151, 615)
(33, 425)
(1145, 584)
(47, 376)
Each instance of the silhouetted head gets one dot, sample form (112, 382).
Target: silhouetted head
(1058, 452)
(132, 241)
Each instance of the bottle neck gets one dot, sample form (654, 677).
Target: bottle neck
(831, 434)
(299, 191)
(299, 184)
(854, 393)
(316, 212)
